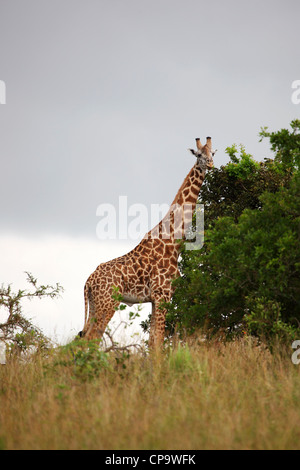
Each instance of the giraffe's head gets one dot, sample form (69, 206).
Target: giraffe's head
(204, 154)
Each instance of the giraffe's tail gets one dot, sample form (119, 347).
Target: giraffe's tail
(89, 308)
(86, 309)
(86, 302)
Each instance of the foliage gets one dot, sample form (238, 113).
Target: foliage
(246, 277)
(238, 185)
(83, 358)
(286, 145)
(242, 167)
(18, 331)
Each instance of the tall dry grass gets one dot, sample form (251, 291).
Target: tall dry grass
(209, 396)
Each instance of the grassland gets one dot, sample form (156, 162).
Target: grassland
(206, 396)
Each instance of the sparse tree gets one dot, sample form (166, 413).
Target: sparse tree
(16, 330)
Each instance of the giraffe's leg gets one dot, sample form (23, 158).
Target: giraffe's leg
(158, 316)
(152, 327)
(102, 309)
(161, 294)
(98, 324)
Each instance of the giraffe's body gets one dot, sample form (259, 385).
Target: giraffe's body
(145, 274)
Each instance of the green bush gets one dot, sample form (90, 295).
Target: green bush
(246, 277)
(83, 359)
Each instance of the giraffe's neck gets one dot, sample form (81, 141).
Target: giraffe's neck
(189, 190)
(179, 216)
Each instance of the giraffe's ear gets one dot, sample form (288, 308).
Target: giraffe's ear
(193, 152)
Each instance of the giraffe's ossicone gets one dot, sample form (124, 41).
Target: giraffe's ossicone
(145, 274)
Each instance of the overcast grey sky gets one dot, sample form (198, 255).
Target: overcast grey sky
(105, 96)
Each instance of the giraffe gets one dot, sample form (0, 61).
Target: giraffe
(145, 274)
